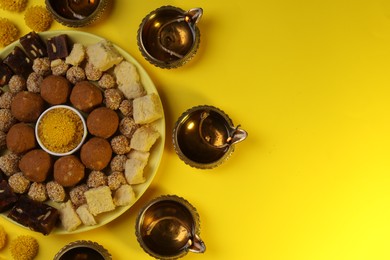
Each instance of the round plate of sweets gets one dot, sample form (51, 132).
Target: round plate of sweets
(104, 186)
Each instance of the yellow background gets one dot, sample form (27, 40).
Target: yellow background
(310, 82)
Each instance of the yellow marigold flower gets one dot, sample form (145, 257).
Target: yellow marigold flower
(8, 32)
(38, 18)
(24, 248)
(13, 5)
(3, 237)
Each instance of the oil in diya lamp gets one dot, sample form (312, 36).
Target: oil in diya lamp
(77, 13)
(168, 37)
(168, 227)
(83, 249)
(204, 137)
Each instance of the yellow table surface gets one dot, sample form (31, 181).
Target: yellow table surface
(310, 82)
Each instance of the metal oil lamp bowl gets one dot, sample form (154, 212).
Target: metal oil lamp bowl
(204, 137)
(83, 249)
(168, 227)
(78, 13)
(168, 37)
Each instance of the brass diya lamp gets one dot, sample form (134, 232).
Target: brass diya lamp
(204, 137)
(83, 249)
(77, 13)
(168, 227)
(168, 37)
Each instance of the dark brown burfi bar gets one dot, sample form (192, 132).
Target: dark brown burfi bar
(7, 197)
(19, 63)
(5, 73)
(33, 45)
(58, 47)
(35, 215)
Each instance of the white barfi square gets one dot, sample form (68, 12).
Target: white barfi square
(147, 109)
(68, 216)
(86, 217)
(144, 138)
(103, 55)
(124, 196)
(99, 200)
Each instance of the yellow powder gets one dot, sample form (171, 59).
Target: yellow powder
(60, 130)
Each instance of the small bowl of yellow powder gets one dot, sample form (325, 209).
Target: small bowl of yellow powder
(61, 130)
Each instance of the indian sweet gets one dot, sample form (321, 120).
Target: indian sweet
(76, 194)
(120, 144)
(68, 171)
(3, 142)
(55, 90)
(24, 247)
(126, 107)
(6, 100)
(144, 138)
(96, 179)
(75, 74)
(18, 183)
(115, 180)
(19, 62)
(27, 106)
(147, 109)
(33, 45)
(102, 122)
(113, 98)
(60, 130)
(36, 215)
(124, 195)
(85, 96)
(77, 55)
(36, 165)
(21, 138)
(117, 163)
(16, 84)
(7, 196)
(59, 67)
(107, 81)
(37, 192)
(99, 200)
(58, 47)
(127, 126)
(96, 153)
(41, 66)
(33, 82)
(55, 191)
(103, 55)
(128, 80)
(91, 72)
(68, 215)
(9, 163)
(5, 73)
(134, 167)
(85, 216)
(6, 119)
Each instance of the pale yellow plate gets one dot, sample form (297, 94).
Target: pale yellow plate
(156, 151)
